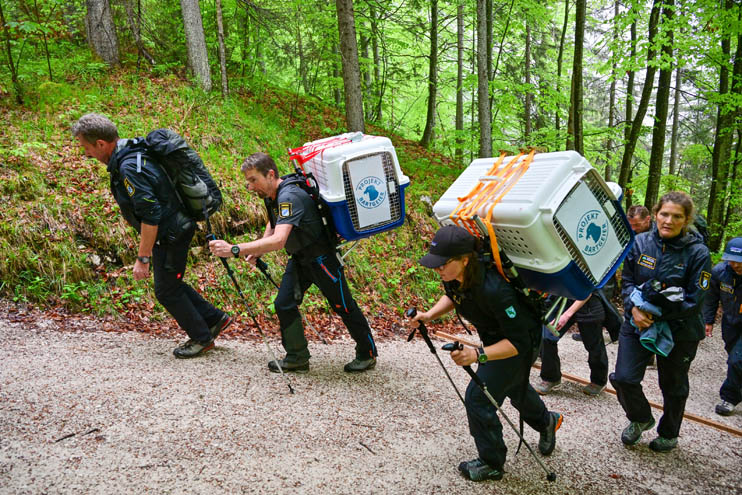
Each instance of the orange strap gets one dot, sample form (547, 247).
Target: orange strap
(489, 193)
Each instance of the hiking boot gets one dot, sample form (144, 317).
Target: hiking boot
(543, 387)
(191, 349)
(632, 433)
(478, 470)
(294, 366)
(547, 440)
(662, 444)
(223, 323)
(577, 336)
(724, 408)
(593, 389)
(360, 364)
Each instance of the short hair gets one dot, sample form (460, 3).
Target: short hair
(637, 211)
(679, 198)
(261, 162)
(94, 126)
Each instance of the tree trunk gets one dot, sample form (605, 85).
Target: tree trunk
(483, 105)
(459, 153)
(378, 83)
(675, 122)
(102, 31)
(432, 76)
(662, 101)
(198, 58)
(367, 85)
(575, 105)
(528, 96)
(641, 111)
(734, 207)
(351, 69)
(336, 96)
(13, 68)
(611, 103)
(222, 51)
(725, 127)
(136, 32)
(560, 58)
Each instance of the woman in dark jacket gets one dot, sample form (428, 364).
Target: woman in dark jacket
(506, 326)
(670, 268)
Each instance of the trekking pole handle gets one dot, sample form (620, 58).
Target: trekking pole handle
(453, 346)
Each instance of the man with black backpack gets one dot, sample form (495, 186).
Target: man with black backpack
(150, 202)
(295, 223)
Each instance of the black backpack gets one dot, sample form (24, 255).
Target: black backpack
(196, 190)
(308, 184)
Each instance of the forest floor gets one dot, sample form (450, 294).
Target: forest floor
(83, 410)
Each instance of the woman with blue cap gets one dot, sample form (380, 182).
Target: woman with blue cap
(505, 325)
(726, 287)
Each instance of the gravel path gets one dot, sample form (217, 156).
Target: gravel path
(142, 421)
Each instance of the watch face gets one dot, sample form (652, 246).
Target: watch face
(236, 250)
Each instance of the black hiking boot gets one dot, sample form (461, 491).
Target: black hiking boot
(192, 349)
(223, 323)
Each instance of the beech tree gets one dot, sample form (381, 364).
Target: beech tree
(198, 58)
(351, 68)
(101, 31)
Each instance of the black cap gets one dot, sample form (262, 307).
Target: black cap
(448, 242)
(733, 251)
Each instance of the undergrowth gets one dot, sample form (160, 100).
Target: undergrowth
(66, 244)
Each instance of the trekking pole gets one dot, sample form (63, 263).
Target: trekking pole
(457, 346)
(411, 313)
(224, 261)
(263, 267)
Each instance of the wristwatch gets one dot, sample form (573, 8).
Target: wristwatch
(236, 251)
(143, 259)
(481, 356)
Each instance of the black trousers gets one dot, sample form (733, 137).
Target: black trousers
(327, 274)
(631, 363)
(504, 378)
(592, 339)
(192, 312)
(731, 389)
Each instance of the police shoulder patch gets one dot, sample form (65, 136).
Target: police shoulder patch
(510, 311)
(129, 188)
(284, 210)
(704, 280)
(647, 261)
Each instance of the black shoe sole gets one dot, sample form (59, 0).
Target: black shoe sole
(290, 369)
(199, 353)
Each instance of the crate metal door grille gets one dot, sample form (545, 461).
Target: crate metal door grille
(394, 199)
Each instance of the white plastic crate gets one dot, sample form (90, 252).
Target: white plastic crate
(360, 179)
(560, 224)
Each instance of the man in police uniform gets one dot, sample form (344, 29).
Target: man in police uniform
(149, 204)
(726, 286)
(295, 223)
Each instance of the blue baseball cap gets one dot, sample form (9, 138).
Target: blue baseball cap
(733, 251)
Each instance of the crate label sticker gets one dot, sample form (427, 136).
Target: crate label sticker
(370, 193)
(589, 229)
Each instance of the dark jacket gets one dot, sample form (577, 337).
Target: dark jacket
(493, 306)
(726, 287)
(144, 193)
(682, 261)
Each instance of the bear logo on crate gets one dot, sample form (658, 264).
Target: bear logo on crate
(370, 192)
(592, 232)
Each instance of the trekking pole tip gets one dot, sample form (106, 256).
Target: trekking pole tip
(551, 477)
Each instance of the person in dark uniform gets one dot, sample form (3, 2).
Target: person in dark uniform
(150, 205)
(507, 328)
(726, 287)
(666, 257)
(295, 223)
(589, 316)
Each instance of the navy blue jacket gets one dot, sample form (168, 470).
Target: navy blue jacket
(492, 305)
(682, 261)
(726, 287)
(145, 195)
